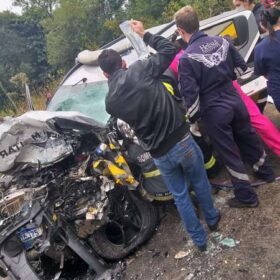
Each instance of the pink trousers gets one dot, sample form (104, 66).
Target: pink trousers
(264, 127)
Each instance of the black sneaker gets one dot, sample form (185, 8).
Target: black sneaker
(269, 178)
(235, 203)
(202, 248)
(215, 226)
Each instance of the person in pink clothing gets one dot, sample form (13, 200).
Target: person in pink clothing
(174, 64)
(263, 126)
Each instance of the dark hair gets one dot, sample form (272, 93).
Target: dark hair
(269, 18)
(110, 61)
(174, 36)
(187, 19)
(179, 44)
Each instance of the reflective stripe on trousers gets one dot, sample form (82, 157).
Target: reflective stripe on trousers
(260, 162)
(238, 175)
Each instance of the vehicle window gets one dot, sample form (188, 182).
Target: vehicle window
(88, 99)
(230, 31)
(224, 29)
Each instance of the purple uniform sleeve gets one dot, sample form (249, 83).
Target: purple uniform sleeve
(189, 89)
(239, 63)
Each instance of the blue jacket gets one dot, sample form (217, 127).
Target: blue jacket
(206, 69)
(267, 62)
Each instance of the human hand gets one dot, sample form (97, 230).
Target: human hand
(138, 27)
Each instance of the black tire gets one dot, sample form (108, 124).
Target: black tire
(127, 231)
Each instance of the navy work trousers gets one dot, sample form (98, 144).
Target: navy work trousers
(228, 125)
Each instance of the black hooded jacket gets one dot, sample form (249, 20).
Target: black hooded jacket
(137, 96)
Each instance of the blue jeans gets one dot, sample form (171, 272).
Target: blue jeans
(183, 164)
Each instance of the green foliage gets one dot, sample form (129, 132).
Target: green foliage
(22, 49)
(172, 7)
(79, 24)
(210, 8)
(19, 80)
(150, 12)
(205, 9)
(65, 34)
(44, 7)
(89, 26)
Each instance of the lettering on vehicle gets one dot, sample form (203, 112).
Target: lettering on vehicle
(11, 149)
(30, 234)
(42, 134)
(36, 136)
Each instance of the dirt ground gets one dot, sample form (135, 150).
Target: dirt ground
(254, 235)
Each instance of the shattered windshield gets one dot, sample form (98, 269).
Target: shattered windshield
(88, 99)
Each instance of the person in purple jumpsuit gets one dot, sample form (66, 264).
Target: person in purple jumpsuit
(206, 71)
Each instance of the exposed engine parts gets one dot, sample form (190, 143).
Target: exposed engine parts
(61, 213)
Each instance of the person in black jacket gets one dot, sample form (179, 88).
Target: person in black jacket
(206, 71)
(138, 97)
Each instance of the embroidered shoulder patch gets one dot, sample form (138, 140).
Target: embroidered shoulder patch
(213, 59)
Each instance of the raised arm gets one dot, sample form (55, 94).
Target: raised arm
(166, 51)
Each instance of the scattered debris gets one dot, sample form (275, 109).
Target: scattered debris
(229, 242)
(130, 260)
(217, 236)
(243, 270)
(156, 254)
(182, 254)
(225, 241)
(190, 276)
(116, 273)
(220, 200)
(183, 269)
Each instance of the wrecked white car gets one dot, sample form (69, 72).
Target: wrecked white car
(60, 190)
